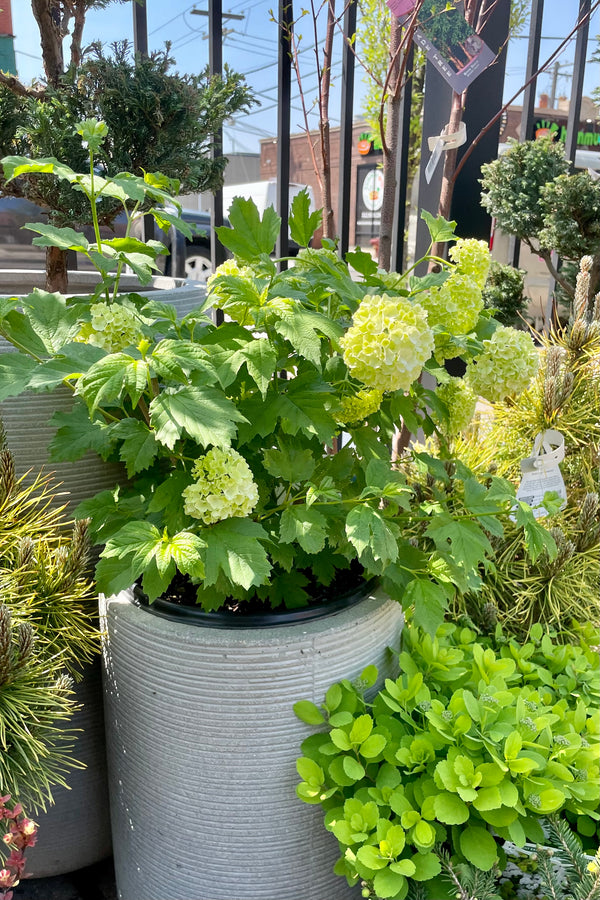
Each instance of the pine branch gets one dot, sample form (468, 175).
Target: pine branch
(569, 849)
(548, 875)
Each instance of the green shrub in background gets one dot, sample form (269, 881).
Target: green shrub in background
(529, 191)
(559, 593)
(473, 744)
(504, 294)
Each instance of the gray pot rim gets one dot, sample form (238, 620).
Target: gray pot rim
(198, 617)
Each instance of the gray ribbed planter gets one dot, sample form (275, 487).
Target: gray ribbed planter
(202, 743)
(75, 832)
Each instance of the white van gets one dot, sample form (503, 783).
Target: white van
(264, 194)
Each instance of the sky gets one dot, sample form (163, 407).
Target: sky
(250, 48)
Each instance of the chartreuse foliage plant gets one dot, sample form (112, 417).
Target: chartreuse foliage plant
(471, 745)
(226, 430)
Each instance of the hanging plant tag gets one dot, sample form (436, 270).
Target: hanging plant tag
(438, 143)
(540, 472)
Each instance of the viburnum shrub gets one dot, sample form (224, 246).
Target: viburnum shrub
(473, 744)
(21, 834)
(227, 428)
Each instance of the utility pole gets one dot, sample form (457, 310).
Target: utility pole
(556, 73)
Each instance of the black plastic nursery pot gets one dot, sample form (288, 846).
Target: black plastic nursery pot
(202, 743)
(195, 615)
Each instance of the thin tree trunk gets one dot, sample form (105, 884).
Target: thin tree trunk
(447, 189)
(56, 270)
(389, 160)
(48, 16)
(77, 36)
(324, 126)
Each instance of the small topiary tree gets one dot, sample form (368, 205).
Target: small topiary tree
(531, 195)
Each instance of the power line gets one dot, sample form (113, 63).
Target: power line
(168, 22)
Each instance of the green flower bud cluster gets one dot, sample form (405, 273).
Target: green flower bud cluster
(308, 258)
(460, 401)
(506, 366)
(224, 487)
(388, 342)
(357, 408)
(220, 294)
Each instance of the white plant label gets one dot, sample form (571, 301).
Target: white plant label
(540, 472)
(444, 141)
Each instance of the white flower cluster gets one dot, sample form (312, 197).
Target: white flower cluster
(506, 366)
(113, 327)
(388, 342)
(472, 257)
(224, 487)
(455, 305)
(461, 400)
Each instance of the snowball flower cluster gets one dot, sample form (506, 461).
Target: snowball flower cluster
(507, 364)
(472, 258)
(355, 409)
(224, 487)
(388, 342)
(113, 327)
(455, 305)
(461, 400)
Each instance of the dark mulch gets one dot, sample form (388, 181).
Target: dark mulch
(94, 883)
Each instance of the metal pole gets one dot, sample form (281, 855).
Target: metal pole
(525, 130)
(215, 66)
(533, 61)
(397, 254)
(140, 28)
(577, 83)
(284, 95)
(346, 117)
(140, 46)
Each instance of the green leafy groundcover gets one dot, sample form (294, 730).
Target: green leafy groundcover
(473, 744)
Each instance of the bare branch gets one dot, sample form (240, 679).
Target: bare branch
(19, 89)
(79, 11)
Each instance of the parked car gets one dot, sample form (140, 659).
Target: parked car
(17, 250)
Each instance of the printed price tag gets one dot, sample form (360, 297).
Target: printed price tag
(540, 471)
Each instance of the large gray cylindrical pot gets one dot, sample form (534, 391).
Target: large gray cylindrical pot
(75, 831)
(202, 743)
(81, 812)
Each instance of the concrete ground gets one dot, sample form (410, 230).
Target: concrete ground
(94, 883)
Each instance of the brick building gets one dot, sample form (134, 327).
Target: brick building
(366, 181)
